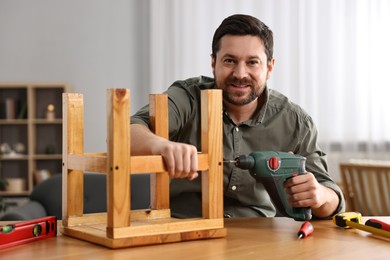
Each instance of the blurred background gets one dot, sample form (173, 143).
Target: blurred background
(331, 57)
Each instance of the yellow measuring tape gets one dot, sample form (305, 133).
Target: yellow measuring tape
(354, 220)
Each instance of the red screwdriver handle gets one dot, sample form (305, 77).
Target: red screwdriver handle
(377, 224)
(305, 230)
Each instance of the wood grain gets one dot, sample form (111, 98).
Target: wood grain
(212, 179)
(120, 226)
(97, 163)
(366, 187)
(247, 238)
(118, 151)
(159, 183)
(73, 143)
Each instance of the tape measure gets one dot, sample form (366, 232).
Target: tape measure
(342, 218)
(354, 220)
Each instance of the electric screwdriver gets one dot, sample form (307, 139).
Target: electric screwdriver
(272, 169)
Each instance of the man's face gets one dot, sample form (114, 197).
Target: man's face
(241, 69)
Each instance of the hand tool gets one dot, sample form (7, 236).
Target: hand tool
(354, 220)
(27, 231)
(272, 169)
(305, 230)
(377, 224)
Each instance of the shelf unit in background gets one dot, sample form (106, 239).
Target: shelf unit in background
(24, 119)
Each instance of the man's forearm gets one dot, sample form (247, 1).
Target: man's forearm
(142, 140)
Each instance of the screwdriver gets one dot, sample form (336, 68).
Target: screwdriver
(377, 224)
(305, 230)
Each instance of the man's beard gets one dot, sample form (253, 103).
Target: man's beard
(236, 99)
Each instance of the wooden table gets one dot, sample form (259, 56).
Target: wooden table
(248, 238)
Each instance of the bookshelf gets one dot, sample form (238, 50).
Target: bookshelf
(30, 134)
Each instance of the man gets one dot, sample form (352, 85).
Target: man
(255, 118)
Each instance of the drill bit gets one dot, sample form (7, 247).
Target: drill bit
(230, 161)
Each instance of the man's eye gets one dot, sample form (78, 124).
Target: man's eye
(229, 61)
(253, 62)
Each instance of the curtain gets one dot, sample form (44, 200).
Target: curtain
(331, 58)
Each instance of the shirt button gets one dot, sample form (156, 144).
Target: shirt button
(237, 129)
(234, 187)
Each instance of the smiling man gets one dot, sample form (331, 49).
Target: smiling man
(256, 118)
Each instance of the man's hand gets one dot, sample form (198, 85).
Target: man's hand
(181, 159)
(305, 191)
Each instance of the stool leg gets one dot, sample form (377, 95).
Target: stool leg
(212, 181)
(73, 143)
(118, 159)
(159, 183)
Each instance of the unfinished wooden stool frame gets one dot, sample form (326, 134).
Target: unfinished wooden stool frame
(120, 226)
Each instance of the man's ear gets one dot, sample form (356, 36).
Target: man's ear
(270, 67)
(212, 62)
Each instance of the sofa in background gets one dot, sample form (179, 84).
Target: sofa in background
(46, 198)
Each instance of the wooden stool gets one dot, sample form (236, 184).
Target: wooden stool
(119, 226)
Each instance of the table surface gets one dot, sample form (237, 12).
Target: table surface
(248, 238)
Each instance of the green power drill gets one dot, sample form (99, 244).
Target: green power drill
(272, 169)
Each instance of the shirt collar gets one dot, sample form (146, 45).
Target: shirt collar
(259, 118)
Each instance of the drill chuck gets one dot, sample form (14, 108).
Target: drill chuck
(245, 162)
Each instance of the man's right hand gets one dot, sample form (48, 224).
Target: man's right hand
(180, 159)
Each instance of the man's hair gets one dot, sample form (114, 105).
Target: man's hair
(240, 24)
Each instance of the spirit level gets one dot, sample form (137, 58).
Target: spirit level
(27, 231)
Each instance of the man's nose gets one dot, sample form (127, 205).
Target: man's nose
(240, 71)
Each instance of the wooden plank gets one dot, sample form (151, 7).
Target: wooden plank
(346, 187)
(378, 177)
(88, 219)
(362, 191)
(354, 189)
(136, 215)
(147, 164)
(167, 226)
(159, 183)
(97, 163)
(386, 202)
(96, 235)
(148, 214)
(88, 163)
(118, 163)
(212, 180)
(158, 113)
(73, 143)
(370, 191)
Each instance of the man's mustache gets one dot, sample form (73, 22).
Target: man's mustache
(236, 81)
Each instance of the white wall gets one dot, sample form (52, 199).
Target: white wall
(98, 44)
(90, 44)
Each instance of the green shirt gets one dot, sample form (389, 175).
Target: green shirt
(280, 125)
